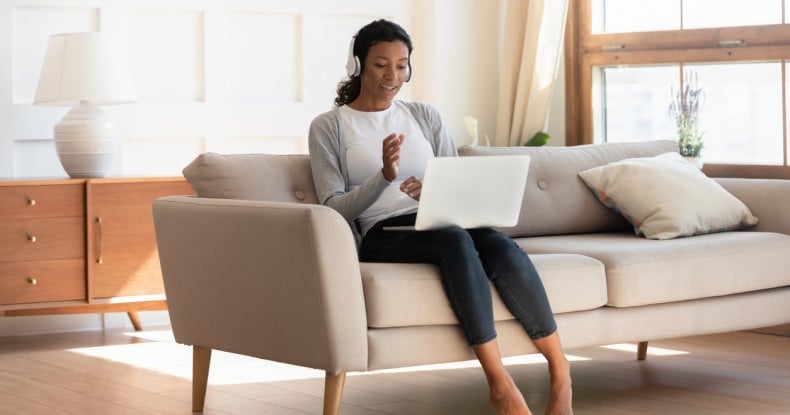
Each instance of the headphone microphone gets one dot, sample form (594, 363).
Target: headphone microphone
(354, 67)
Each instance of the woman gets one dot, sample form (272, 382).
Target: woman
(367, 156)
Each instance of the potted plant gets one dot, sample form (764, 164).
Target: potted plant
(539, 139)
(684, 109)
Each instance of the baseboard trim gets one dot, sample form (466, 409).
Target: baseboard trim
(780, 330)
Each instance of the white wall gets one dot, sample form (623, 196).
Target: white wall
(237, 76)
(457, 60)
(227, 76)
(232, 76)
(224, 76)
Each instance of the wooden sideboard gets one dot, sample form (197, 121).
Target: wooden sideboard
(81, 246)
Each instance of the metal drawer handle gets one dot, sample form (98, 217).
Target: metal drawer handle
(99, 259)
(32, 281)
(31, 202)
(32, 238)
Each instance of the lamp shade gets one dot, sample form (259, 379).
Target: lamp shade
(88, 67)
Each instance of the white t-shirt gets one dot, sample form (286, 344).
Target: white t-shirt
(364, 133)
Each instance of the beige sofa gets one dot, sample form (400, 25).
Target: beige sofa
(254, 266)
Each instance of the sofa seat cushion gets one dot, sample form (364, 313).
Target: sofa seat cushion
(398, 295)
(643, 271)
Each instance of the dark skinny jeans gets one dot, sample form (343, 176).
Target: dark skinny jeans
(467, 259)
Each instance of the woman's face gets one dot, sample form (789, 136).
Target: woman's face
(386, 68)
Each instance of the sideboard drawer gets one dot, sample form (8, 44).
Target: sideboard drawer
(42, 201)
(81, 245)
(36, 281)
(40, 239)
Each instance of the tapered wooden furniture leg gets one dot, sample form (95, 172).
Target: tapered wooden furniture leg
(641, 351)
(135, 319)
(201, 359)
(333, 392)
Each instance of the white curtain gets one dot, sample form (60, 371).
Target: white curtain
(530, 47)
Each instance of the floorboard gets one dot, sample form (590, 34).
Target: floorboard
(115, 372)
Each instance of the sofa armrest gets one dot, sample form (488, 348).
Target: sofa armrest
(768, 199)
(278, 281)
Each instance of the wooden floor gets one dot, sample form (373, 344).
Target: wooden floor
(115, 372)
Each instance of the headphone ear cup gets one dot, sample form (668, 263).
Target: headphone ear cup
(408, 74)
(357, 66)
(353, 67)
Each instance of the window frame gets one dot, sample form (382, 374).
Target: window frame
(585, 50)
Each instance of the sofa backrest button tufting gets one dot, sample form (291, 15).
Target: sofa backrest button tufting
(542, 184)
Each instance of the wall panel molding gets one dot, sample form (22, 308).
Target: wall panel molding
(166, 52)
(262, 56)
(215, 75)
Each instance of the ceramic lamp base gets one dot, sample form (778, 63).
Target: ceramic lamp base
(86, 141)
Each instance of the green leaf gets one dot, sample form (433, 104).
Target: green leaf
(539, 139)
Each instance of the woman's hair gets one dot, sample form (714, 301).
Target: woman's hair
(372, 33)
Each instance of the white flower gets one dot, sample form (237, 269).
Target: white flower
(471, 128)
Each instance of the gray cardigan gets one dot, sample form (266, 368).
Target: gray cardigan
(330, 171)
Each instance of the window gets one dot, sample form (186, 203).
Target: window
(625, 58)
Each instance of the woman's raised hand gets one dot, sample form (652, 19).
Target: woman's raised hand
(390, 155)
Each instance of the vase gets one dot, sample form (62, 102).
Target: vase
(697, 161)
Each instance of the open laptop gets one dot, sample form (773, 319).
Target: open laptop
(471, 192)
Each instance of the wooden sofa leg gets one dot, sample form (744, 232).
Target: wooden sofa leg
(641, 351)
(201, 359)
(333, 392)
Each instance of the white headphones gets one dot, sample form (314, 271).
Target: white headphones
(354, 67)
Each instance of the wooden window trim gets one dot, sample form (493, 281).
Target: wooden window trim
(584, 50)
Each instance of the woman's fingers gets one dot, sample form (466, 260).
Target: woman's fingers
(390, 155)
(412, 187)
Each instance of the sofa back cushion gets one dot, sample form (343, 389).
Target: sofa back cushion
(281, 178)
(556, 200)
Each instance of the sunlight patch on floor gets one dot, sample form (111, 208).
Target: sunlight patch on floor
(157, 351)
(652, 351)
(152, 335)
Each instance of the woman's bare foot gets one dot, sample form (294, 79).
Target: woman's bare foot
(561, 394)
(508, 400)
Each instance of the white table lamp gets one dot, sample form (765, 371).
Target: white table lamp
(84, 70)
